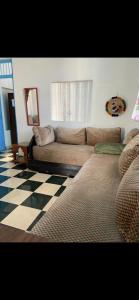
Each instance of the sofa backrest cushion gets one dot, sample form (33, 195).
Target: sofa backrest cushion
(103, 135)
(72, 136)
(129, 153)
(43, 135)
(127, 203)
(133, 132)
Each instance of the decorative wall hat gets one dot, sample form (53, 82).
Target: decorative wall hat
(115, 106)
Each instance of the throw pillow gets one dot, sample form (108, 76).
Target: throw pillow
(129, 153)
(109, 148)
(130, 135)
(44, 135)
(127, 203)
(103, 135)
(73, 136)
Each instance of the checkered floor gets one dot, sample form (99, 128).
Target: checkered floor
(25, 195)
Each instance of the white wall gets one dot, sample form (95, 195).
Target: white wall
(111, 77)
(7, 83)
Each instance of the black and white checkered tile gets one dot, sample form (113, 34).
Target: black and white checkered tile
(26, 195)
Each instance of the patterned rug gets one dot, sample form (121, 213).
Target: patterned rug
(25, 195)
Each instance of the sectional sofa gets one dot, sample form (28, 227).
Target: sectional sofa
(86, 210)
(64, 151)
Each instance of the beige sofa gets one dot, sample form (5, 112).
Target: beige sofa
(85, 212)
(74, 146)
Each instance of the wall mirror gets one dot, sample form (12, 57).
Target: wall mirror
(32, 106)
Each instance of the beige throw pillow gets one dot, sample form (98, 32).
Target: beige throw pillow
(127, 203)
(103, 135)
(130, 135)
(44, 135)
(71, 136)
(129, 153)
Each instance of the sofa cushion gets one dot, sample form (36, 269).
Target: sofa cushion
(127, 203)
(43, 135)
(74, 136)
(84, 212)
(130, 135)
(103, 135)
(130, 152)
(63, 153)
(109, 148)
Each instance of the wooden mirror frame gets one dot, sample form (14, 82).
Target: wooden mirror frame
(26, 92)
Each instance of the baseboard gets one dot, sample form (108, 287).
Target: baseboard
(53, 168)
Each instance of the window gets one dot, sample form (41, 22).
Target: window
(71, 100)
(6, 68)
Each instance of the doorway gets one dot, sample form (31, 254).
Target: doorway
(8, 126)
(12, 117)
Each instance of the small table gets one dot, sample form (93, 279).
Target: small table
(18, 158)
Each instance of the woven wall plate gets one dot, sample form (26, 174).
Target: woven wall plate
(115, 106)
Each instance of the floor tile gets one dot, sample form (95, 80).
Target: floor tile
(7, 151)
(28, 170)
(1, 163)
(4, 191)
(20, 167)
(6, 154)
(50, 203)
(56, 180)
(36, 220)
(67, 181)
(41, 177)
(6, 159)
(37, 200)
(6, 209)
(24, 175)
(26, 195)
(13, 182)
(48, 189)
(16, 196)
(61, 190)
(29, 185)
(3, 178)
(21, 217)
(2, 169)
(8, 165)
(10, 172)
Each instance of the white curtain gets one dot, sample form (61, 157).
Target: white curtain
(71, 101)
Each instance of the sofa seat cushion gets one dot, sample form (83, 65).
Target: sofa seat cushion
(74, 136)
(63, 153)
(85, 212)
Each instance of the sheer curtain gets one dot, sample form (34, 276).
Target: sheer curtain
(71, 101)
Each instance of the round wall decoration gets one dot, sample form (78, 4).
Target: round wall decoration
(115, 106)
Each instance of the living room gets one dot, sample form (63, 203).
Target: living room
(48, 198)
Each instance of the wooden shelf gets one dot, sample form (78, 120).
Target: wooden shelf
(17, 157)
(20, 159)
